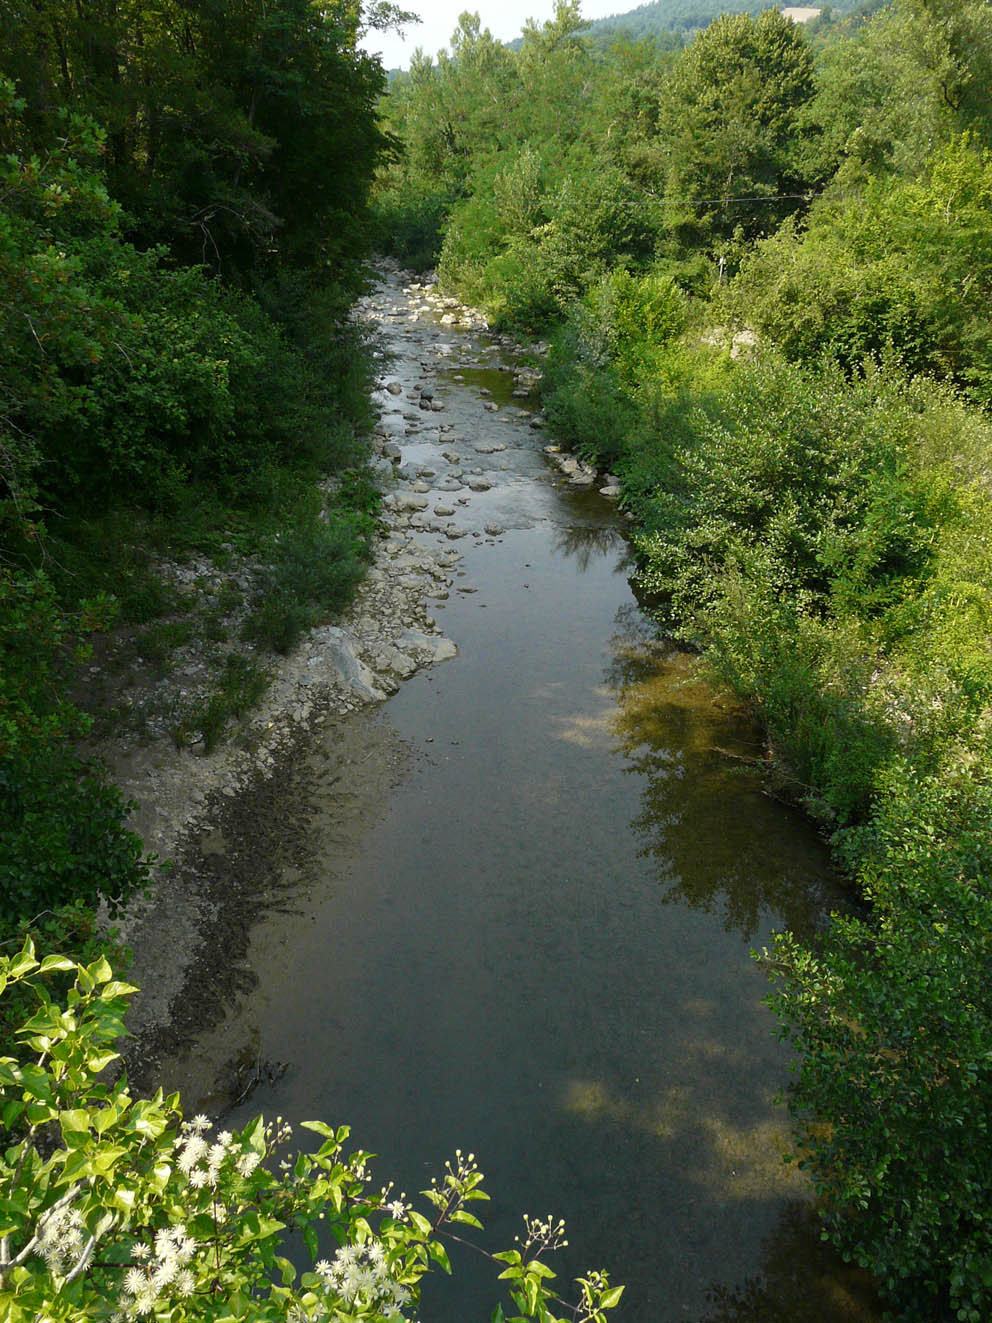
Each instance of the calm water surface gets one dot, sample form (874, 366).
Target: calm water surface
(542, 952)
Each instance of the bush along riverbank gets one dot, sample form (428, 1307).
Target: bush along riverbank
(184, 402)
(768, 317)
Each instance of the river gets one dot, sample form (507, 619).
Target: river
(536, 943)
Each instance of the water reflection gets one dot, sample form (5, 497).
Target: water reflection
(585, 543)
(800, 1279)
(718, 841)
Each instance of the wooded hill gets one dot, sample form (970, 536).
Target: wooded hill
(670, 22)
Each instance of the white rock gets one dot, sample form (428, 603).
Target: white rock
(429, 647)
(340, 651)
(393, 661)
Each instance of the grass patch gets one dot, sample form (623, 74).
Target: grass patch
(158, 642)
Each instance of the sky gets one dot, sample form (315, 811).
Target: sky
(504, 19)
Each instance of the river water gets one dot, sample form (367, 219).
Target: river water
(541, 952)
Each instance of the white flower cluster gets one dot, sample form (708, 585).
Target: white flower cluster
(200, 1160)
(61, 1238)
(360, 1275)
(164, 1270)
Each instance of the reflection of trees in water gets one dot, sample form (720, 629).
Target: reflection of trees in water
(585, 542)
(637, 647)
(801, 1278)
(718, 841)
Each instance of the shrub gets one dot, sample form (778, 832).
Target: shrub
(892, 1022)
(315, 569)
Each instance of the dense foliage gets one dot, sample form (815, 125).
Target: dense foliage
(116, 1207)
(183, 219)
(763, 265)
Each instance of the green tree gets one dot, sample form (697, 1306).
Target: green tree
(729, 128)
(954, 41)
(901, 267)
(244, 139)
(891, 1021)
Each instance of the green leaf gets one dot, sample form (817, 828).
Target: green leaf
(611, 1297)
(75, 1119)
(23, 963)
(310, 1240)
(531, 1289)
(440, 1255)
(539, 1269)
(56, 962)
(319, 1128)
(100, 971)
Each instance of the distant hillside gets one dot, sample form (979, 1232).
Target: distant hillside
(672, 22)
(663, 17)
